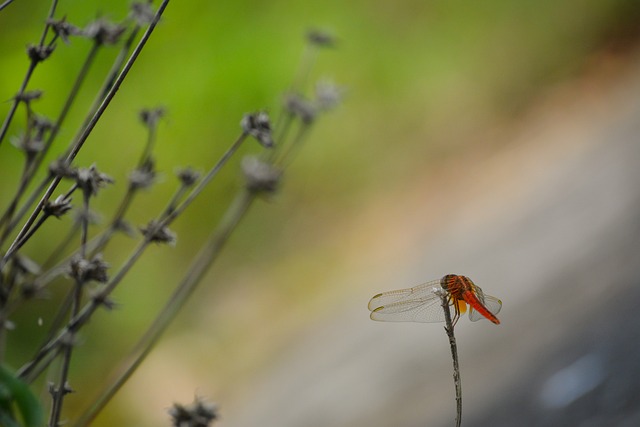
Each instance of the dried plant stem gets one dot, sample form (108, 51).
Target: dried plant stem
(87, 311)
(32, 167)
(5, 4)
(454, 355)
(109, 80)
(92, 122)
(196, 272)
(62, 390)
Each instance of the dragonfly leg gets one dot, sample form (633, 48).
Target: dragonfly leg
(456, 311)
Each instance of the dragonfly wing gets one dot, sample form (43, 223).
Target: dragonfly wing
(427, 290)
(422, 303)
(492, 304)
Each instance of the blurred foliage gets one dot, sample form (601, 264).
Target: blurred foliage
(423, 77)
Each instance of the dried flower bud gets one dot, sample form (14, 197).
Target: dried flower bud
(29, 145)
(103, 32)
(40, 123)
(258, 126)
(87, 215)
(39, 53)
(53, 390)
(61, 168)
(188, 176)
(158, 235)
(151, 117)
(125, 227)
(261, 176)
(100, 298)
(91, 180)
(143, 13)
(58, 207)
(63, 29)
(144, 176)
(29, 96)
(198, 414)
(320, 38)
(300, 107)
(328, 95)
(83, 270)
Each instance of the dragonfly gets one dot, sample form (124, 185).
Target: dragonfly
(423, 303)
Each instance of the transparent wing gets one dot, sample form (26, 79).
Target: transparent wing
(421, 303)
(491, 303)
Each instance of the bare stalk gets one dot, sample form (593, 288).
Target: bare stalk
(454, 355)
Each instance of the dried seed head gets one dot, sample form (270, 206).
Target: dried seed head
(150, 117)
(103, 32)
(258, 126)
(30, 145)
(158, 235)
(39, 53)
(90, 216)
(188, 176)
(63, 29)
(83, 270)
(61, 168)
(198, 414)
(40, 123)
(91, 180)
(261, 177)
(143, 13)
(125, 227)
(60, 206)
(100, 298)
(320, 38)
(144, 176)
(29, 96)
(328, 95)
(300, 107)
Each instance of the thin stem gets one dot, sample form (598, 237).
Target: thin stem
(196, 272)
(94, 120)
(5, 4)
(454, 355)
(75, 307)
(8, 214)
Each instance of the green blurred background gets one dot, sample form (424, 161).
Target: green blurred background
(426, 82)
